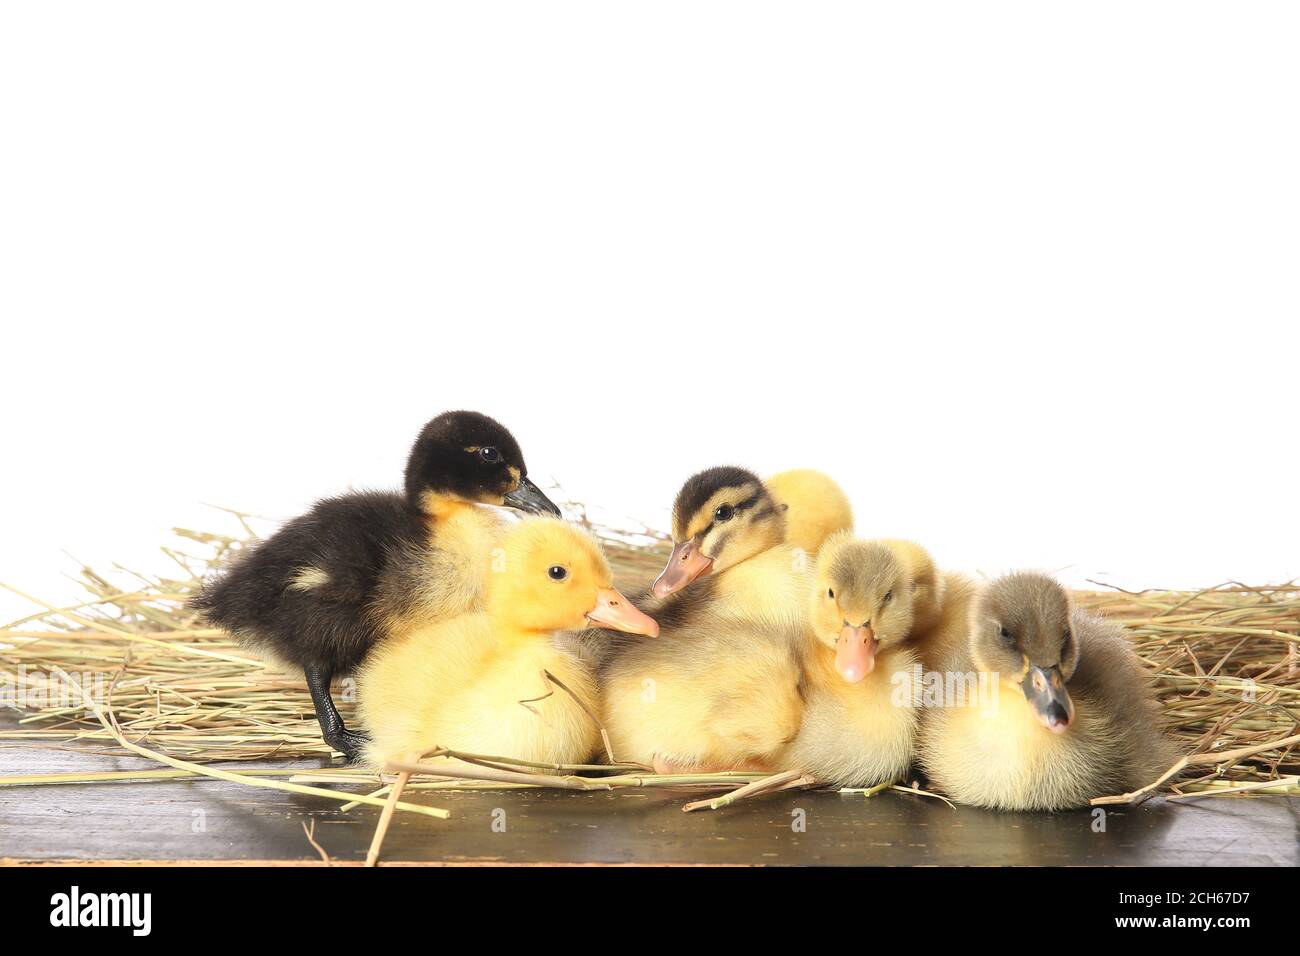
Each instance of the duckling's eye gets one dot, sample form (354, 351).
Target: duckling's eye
(889, 596)
(830, 593)
(558, 572)
(1006, 636)
(489, 455)
(723, 513)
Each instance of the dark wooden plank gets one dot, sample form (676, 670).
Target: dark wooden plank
(208, 820)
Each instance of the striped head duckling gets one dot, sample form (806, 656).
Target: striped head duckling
(721, 517)
(729, 556)
(720, 689)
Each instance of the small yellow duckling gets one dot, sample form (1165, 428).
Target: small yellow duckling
(720, 689)
(940, 602)
(1068, 714)
(476, 683)
(729, 531)
(815, 507)
(859, 726)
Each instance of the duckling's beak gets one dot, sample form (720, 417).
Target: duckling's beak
(529, 499)
(685, 564)
(855, 652)
(1045, 690)
(614, 610)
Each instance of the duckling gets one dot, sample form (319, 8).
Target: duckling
(940, 602)
(815, 507)
(1068, 715)
(859, 726)
(729, 530)
(720, 689)
(326, 587)
(477, 682)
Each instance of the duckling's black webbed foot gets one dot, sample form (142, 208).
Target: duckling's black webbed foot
(347, 742)
(332, 729)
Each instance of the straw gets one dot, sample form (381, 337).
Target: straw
(1225, 662)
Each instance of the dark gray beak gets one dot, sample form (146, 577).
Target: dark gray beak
(529, 499)
(1045, 690)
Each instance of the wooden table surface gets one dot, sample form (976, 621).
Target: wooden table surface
(210, 820)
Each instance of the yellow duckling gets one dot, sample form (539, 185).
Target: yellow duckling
(859, 726)
(815, 507)
(1058, 708)
(940, 602)
(729, 531)
(720, 689)
(476, 683)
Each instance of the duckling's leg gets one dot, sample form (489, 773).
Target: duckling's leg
(346, 742)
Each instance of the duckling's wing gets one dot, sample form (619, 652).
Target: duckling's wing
(1112, 676)
(690, 606)
(305, 591)
(591, 646)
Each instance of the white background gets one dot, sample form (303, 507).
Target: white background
(1023, 279)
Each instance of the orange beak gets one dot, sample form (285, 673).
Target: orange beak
(614, 610)
(855, 653)
(685, 564)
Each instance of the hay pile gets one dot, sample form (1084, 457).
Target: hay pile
(1227, 668)
(156, 683)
